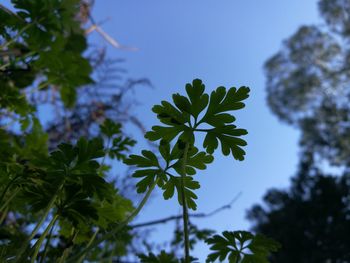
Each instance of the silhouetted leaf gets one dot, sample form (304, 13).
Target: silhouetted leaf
(241, 246)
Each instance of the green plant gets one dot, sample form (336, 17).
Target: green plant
(184, 120)
(197, 113)
(241, 246)
(64, 207)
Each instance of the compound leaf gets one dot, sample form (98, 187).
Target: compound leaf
(241, 246)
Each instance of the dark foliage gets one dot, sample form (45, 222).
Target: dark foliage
(311, 220)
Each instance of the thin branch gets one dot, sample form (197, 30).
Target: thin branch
(107, 37)
(8, 11)
(199, 215)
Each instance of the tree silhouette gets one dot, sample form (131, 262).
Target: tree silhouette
(308, 83)
(308, 86)
(311, 220)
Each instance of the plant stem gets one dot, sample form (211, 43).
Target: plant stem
(42, 237)
(141, 204)
(118, 228)
(184, 205)
(110, 260)
(68, 249)
(107, 152)
(13, 39)
(42, 258)
(89, 244)
(3, 215)
(9, 199)
(4, 66)
(39, 224)
(8, 11)
(8, 187)
(104, 156)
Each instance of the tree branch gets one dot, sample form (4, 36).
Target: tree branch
(199, 215)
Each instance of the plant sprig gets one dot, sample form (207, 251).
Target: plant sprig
(198, 112)
(241, 246)
(183, 119)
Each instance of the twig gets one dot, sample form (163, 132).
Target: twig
(8, 11)
(108, 38)
(199, 215)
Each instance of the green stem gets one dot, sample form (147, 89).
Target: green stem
(16, 36)
(4, 66)
(8, 11)
(9, 199)
(110, 260)
(38, 88)
(203, 130)
(89, 244)
(184, 205)
(39, 224)
(118, 228)
(42, 237)
(141, 204)
(104, 157)
(67, 250)
(3, 215)
(8, 187)
(42, 258)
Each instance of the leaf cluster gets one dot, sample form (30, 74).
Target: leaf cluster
(153, 171)
(183, 118)
(241, 246)
(119, 144)
(41, 38)
(162, 257)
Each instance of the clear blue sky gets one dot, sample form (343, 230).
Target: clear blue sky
(223, 43)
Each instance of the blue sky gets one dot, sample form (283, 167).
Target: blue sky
(223, 43)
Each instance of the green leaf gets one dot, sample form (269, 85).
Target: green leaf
(68, 96)
(169, 115)
(174, 182)
(164, 133)
(148, 159)
(195, 160)
(223, 101)
(148, 177)
(182, 103)
(35, 140)
(241, 246)
(89, 150)
(163, 257)
(113, 211)
(120, 144)
(93, 184)
(80, 212)
(109, 128)
(228, 137)
(119, 147)
(216, 107)
(199, 99)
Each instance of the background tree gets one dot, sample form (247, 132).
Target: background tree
(308, 86)
(310, 220)
(308, 83)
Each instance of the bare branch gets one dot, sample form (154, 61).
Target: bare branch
(200, 215)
